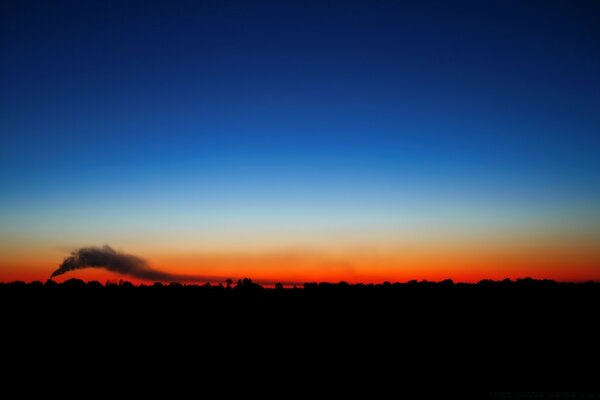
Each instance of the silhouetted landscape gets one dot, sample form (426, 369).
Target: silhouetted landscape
(191, 141)
(493, 334)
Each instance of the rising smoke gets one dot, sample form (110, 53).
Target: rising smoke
(126, 264)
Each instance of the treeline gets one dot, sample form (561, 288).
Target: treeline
(247, 284)
(491, 334)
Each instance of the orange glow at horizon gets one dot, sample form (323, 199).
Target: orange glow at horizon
(352, 264)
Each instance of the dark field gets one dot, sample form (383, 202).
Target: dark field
(416, 336)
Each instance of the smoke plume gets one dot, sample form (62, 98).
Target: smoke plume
(126, 264)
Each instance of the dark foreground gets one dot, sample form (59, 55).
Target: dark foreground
(337, 339)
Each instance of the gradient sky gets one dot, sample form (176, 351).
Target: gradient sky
(303, 140)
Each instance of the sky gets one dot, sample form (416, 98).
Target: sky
(303, 140)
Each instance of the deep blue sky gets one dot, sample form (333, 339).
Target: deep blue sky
(296, 113)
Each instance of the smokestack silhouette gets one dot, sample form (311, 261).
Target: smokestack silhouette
(108, 258)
